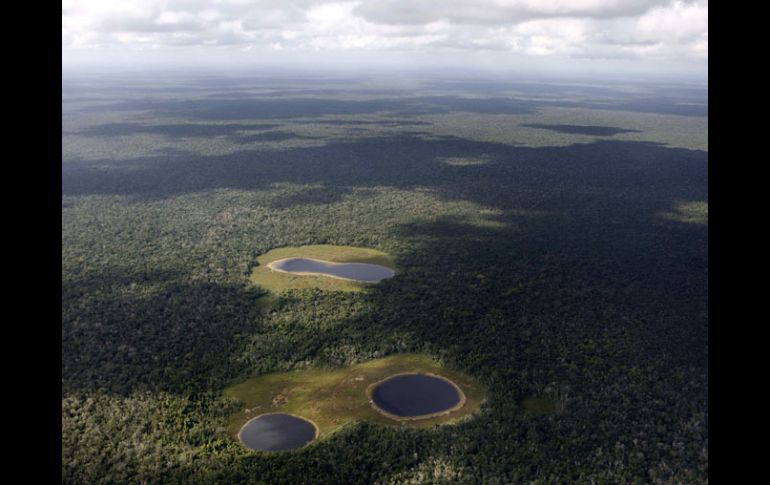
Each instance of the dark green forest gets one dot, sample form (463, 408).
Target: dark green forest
(552, 241)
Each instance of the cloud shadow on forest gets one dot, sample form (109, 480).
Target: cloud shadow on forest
(271, 136)
(638, 177)
(582, 129)
(236, 108)
(122, 333)
(566, 221)
(239, 109)
(179, 130)
(576, 281)
(385, 123)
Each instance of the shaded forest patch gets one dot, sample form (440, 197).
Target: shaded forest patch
(582, 129)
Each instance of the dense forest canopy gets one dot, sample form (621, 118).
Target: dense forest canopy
(551, 240)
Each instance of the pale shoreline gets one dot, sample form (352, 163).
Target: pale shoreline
(271, 266)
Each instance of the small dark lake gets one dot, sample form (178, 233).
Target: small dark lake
(415, 395)
(277, 432)
(363, 272)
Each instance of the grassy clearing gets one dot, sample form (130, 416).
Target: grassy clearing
(333, 398)
(695, 212)
(276, 282)
(464, 161)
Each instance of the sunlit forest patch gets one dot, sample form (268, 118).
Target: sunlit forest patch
(431, 470)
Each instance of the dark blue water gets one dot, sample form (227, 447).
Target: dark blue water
(415, 395)
(364, 272)
(277, 432)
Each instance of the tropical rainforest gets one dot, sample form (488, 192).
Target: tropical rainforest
(551, 239)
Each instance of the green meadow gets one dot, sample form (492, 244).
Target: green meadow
(275, 282)
(334, 398)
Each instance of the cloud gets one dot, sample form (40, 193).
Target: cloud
(497, 12)
(631, 29)
(678, 20)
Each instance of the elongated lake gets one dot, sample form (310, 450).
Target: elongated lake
(414, 395)
(363, 272)
(277, 432)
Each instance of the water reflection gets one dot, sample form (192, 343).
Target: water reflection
(363, 272)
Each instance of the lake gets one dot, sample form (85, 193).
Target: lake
(277, 432)
(411, 395)
(363, 272)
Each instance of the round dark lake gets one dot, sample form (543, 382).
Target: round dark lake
(410, 395)
(277, 432)
(363, 272)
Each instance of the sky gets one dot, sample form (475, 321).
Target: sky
(634, 37)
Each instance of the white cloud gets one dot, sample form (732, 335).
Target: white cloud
(633, 29)
(495, 12)
(677, 20)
